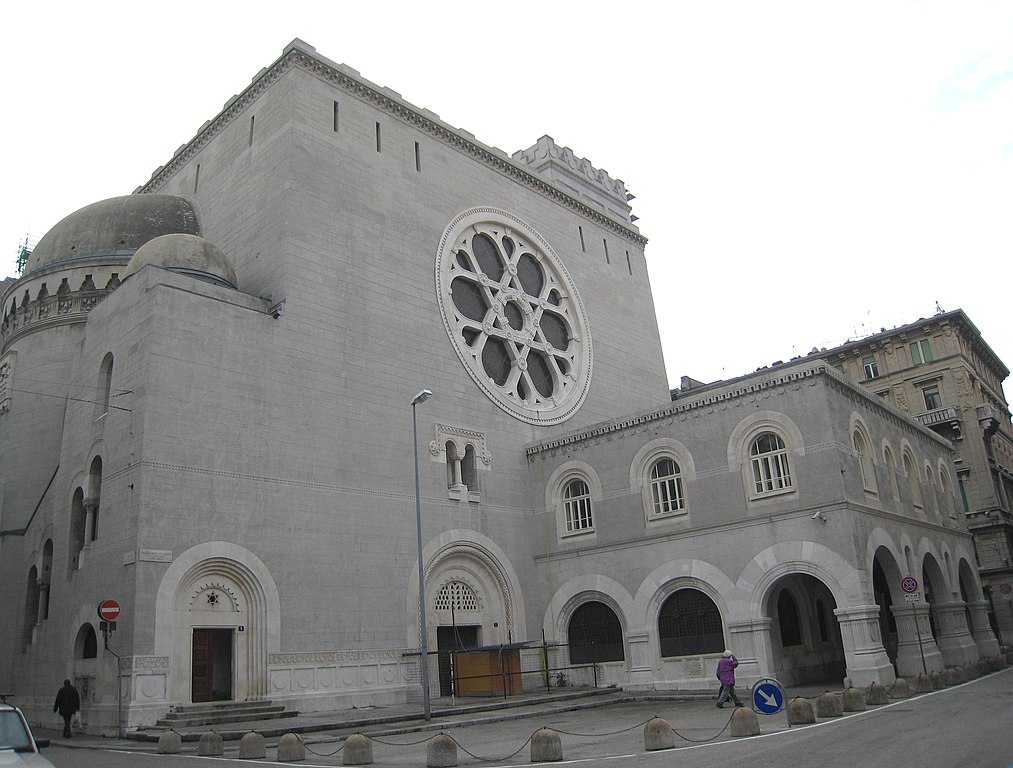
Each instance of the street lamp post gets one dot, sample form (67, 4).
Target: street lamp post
(422, 396)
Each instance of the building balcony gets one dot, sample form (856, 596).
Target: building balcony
(945, 421)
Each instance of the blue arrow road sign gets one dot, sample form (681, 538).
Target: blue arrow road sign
(768, 697)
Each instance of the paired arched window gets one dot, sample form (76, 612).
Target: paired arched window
(769, 459)
(577, 512)
(689, 624)
(666, 488)
(891, 471)
(595, 634)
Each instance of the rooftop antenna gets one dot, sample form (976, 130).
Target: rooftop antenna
(939, 309)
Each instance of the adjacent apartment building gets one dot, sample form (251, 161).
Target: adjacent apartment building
(942, 372)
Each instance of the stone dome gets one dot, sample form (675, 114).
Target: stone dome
(186, 254)
(114, 227)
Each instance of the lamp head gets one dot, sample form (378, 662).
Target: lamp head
(421, 397)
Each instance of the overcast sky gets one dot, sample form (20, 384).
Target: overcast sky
(805, 172)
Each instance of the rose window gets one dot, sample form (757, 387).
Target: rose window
(514, 316)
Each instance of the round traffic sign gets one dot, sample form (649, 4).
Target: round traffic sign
(108, 610)
(1005, 588)
(909, 584)
(768, 696)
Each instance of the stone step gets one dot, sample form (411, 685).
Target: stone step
(209, 706)
(221, 715)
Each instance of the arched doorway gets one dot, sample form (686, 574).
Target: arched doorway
(217, 618)
(805, 638)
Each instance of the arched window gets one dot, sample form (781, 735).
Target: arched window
(912, 478)
(787, 619)
(689, 623)
(891, 471)
(91, 504)
(78, 520)
(769, 459)
(577, 506)
(595, 634)
(864, 457)
(469, 476)
(949, 501)
(46, 579)
(31, 605)
(105, 384)
(666, 487)
(86, 643)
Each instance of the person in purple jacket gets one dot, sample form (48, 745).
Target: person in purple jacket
(726, 675)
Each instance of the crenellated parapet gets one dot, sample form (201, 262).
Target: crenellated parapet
(563, 167)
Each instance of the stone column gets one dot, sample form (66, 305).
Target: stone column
(912, 622)
(981, 631)
(954, 641)
(641, 669)
(864, 654)
(90, 510)
(750, 642)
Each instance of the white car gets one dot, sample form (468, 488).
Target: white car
(17, 745)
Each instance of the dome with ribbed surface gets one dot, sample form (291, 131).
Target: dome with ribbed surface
(114, 227)
(186, 254)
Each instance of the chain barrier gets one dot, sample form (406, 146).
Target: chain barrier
(310, 749)
(520, 749)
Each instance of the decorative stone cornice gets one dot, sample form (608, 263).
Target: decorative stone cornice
(723, 393)
(51, 311)
(392, 104)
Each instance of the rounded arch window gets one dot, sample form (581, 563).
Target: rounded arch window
(513, 315)
(86, 644)
(595, 634)
(577, 511)
(689, 624)
(666, 487)
(769, 459)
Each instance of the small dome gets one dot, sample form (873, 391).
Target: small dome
(114, 227)
(186, 254)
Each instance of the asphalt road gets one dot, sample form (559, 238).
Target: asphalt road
(968, 726)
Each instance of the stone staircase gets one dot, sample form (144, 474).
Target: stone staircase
(218, 712)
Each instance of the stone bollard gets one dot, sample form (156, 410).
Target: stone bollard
(829, 705)
(923, 683)
(744, 722)
(658, 734)
(545, 746)
(291, 749)
(938, 680)
(441, 752)
(358, 750)
(252, 747)
(800, 712)
(211, 744)
(876, 694)
(900, 689)
(951, 677)
(170, 743)
(853, 700)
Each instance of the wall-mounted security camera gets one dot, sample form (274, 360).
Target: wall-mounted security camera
(276, 310)
(818, 515)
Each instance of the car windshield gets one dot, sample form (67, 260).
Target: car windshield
(13, 734)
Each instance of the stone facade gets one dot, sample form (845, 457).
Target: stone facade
(233, 462)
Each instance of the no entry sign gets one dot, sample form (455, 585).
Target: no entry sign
(108, 610)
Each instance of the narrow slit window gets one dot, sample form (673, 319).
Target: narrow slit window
(581, 231)
(605, 243)
(252, 118)
(196, 179)
(418, 158)
(337, 115)
(377, 137)
(629, 266)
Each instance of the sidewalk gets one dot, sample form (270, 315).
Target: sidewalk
(696, 711)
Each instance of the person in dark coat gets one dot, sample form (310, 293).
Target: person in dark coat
(68, 702)
(726, 675)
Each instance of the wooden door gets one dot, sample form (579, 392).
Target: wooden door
(202, 665)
